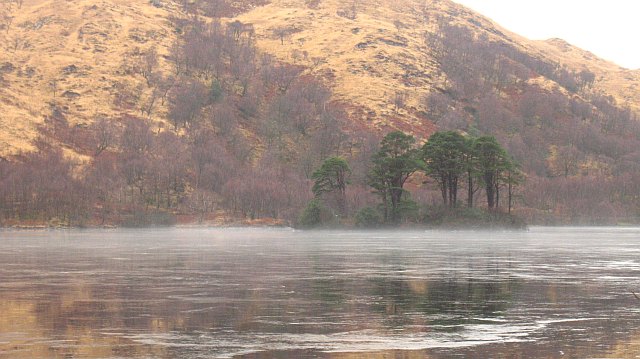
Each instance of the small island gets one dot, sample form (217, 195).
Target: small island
(448, 160)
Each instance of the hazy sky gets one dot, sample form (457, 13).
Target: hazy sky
(608, 28)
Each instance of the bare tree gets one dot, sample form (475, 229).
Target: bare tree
(16, 43)
(565, 161)
(104, 133)
(148, 65)
(177, 57)
(398, 24)
(148, 105)
(7, 19)
(187, 98)
(399, 100)
(282, 33)
(53, 85)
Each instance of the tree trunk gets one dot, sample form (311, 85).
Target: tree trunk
(385, 201)
(342, 202)
(453, 191)
(490, 189)
(469, 190)
(396, 194)
(497, 204)
(510, 192)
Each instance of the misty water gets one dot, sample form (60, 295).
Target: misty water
(260, 293)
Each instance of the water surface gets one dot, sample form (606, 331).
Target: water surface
(254, 293)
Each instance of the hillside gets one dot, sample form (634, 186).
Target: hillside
(623, 84)
(145, 112)
(71, 53)
(372, 51)
(382, 44)
(366, 59)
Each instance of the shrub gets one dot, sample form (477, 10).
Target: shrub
(463, 217)
(312, 214)
(149, 219)
(368, 218)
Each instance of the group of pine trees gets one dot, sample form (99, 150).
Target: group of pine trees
(448, 158)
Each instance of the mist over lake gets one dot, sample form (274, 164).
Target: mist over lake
(279, 293)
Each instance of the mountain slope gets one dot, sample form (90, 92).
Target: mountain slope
(366, 60)
(372, 52)
(70, 53)
(623, 84)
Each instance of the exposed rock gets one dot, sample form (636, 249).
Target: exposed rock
(399, 41)
(42, 22)
(70, 94)
(7, 68)
(71, 69)
(363, 45)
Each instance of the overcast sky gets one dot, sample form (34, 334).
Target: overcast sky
(608, 28)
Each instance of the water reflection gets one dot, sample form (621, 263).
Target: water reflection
(277, 294)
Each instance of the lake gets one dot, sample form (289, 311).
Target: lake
(279, 293)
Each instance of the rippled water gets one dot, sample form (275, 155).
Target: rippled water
(251, 293)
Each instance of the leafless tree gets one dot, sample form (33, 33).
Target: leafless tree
(7, 19)
(104, 133)
(148, 65)
(399, 100)
(53, 85)
(282, 33)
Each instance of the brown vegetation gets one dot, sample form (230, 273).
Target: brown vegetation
(169, 108)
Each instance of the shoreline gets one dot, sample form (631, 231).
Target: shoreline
(282, 227)
(237, 226)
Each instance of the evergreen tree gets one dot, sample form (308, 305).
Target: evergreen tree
(312, 214)
(512, 177)
(493, 162)
(471, 168)
(444, 156)
(393, 164)
(331, 179)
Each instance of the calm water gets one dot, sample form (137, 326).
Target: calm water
(202, 293)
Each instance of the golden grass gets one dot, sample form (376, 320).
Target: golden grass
(353, 55)
(370, 75)
(45, 37)
(366, 60)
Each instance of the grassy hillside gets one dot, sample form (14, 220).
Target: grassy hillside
(71, 53)
(367, 57)
(373, 53)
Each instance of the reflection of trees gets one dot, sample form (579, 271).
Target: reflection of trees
(330, 290)
(447, 300)
(395, 299)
